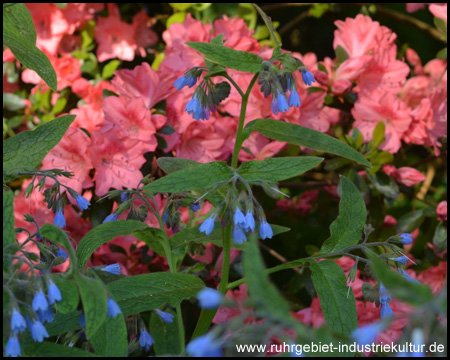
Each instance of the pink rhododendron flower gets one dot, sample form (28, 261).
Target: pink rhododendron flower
(435, 277)
(440, 11)
(116, 161)
(386, 107)
(145, 37)
(405, 175)
(50, 24)
(441, 211)
(259, 147)
(78, 14)
(71, 154)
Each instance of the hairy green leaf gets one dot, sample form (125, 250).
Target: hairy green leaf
(299, 135)
(69, 294)
(140, 293)
(111, 340)
(331, 285)
(171, 164)
(57, 235)
(48, 349)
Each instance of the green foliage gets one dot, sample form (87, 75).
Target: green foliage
(103, 233)
(276, 169)
(9, 237)
(111, 338)
(69, 294)
(233, 59)
(48, 349)
(192, 178)
(145, 292)
(58, 236)
(19, 35)
(93, 297)
(299, 135)
(172, 164)
(338, 308)
(347, 229)
(166, 336)
(26, 150)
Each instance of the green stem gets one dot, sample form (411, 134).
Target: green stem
(207, 316)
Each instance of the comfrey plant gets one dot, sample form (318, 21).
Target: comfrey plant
(54, 295)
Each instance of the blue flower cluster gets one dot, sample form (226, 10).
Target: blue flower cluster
(82, 203)
(42, 313)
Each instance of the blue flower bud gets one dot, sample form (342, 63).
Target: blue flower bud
(195, 207)
(113, 308)
(405, 239)
(165, 316)
(145, 340)
(384, 296)
(239, 236)
(38, 331)
(209, 298)
(53, 293)
(112, 217)
(265, 231)
(59, 219)
(82, 320)
(12, 347)
(294, 99)
(307, 77)
(239, 218)
(207, 226)
(204, 346)
(274, 105)
(367, 334)
(39, 301)
(82, 203)
(62, 253)
(249, 222)
(401, 259)
(123, 196)
(185, 80)
(407, 276)
(112, 269)
(18, 323)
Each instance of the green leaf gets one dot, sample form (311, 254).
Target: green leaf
(411, 221)
(166, 336)
(28, 54)
(276, 169)
(192, 178)
(347, 229)
(93, 296)
(27, 149)
(17, 15)
(378, 134)
(103, 233)
(440, 237)
(69, 294)
(442, 54)
(270, 27)
(57, 235)
(145, 292)
(111, 339)
(385, 185)
(9, 237)
(341, 54)
(48, 349)
(299, 135)
(259, 286)
(171, 164)
(152, 237)
(109, 68)
(233, 59)
(63, 323)
(339, 309)
(398, 286)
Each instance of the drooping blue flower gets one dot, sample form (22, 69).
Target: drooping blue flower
(384, 296)
(53, 293)
(239, 235)
(366, 334)
(401, 259)
(38, 236)
(307, 77)
(113, 308)
(59, 219)
(82, 203)
(208, 225)
(165, 316)
(145, 340)
(12, 347)
(186, 80)
(114, 269)
(18, 323)
(166, 215)
(249, 222)
(82, 320)
(112, 217)
(45, 316)
(274, 105)
(265, 231)
(209, 298)
(62, 253)
(282, 103)
(204, 346)
(39, 301)
(407, 276)
(238, 218)
(123, 196)
(195, 108)
(386, 311)
(195, 207)
(405, 239)
(38, 331)
(294, 99)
